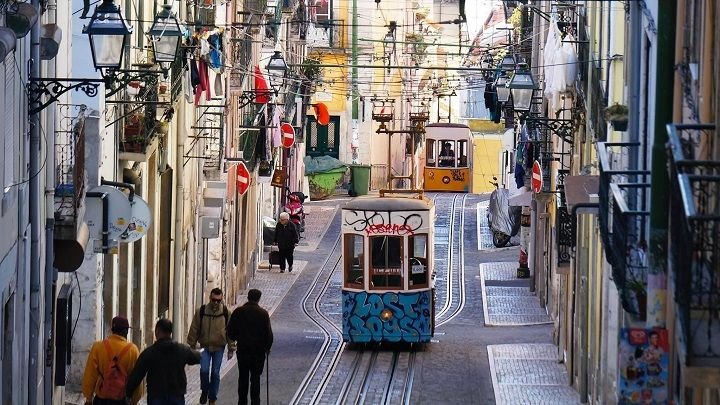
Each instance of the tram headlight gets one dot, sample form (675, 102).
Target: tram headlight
(386, 315)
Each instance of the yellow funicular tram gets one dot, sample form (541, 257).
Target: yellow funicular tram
(448, 158)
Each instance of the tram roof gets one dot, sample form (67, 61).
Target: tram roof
(446, 125)
(388, 204)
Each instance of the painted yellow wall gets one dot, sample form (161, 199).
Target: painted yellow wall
(487, 152)
(334, 92)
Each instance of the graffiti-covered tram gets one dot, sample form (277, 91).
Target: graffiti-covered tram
(388, 290)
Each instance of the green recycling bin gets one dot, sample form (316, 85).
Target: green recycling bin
(360, 179)
(323, 184)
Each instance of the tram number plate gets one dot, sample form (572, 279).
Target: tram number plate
(395, 270)
(417, 269)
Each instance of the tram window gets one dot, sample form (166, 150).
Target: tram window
(386, 262)
(430, 159)
(447, 155)
(418, 266)
(354, 259)
(462, 153)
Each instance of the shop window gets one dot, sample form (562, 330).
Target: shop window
(386, 262)
(354, 261)
(418, 257)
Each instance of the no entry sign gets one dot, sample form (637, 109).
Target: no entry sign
(243, 178)
(288, 135)
(536, 182)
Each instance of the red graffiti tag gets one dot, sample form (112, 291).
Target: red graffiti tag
(395, 229)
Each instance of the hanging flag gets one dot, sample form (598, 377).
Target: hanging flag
(322, 115)
(262, 91)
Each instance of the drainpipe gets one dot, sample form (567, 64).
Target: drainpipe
(35, 196)
(50, 271)
(179, 222)
(665, 73)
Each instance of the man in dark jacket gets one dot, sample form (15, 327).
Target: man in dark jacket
(164, 363)
(250, 327)
(286, 237)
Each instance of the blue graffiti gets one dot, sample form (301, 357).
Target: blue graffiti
(410, 319)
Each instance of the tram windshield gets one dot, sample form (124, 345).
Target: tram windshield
(354, 258)
(386, 262)
(447, 153)
(418, 271)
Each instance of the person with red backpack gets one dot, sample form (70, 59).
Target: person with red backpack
(108, 365)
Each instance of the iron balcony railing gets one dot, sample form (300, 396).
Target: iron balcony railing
(326, 34)
(694, 238)
(623, 216)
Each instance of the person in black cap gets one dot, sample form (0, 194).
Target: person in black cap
(109, 362)
(164, 364)
(250, 327)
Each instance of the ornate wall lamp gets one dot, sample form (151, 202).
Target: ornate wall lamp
(108, 33)
(277, 72)
(522, 85)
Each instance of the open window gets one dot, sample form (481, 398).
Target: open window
(447, 156)
(354, 257)
(386, 262)
(462, 151)
(418, 272)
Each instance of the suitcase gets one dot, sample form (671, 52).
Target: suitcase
(274, 258)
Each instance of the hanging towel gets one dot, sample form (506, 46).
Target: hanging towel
(218, 87)
(204, 85)
(276, 136)
(215, 53)
(189, 88)
(519, 176)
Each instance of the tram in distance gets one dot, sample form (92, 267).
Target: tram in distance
(388, 292)
(448, 158)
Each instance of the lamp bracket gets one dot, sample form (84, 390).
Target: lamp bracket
(564, 128)
(249, 96)
(116, 80)
(51, 89)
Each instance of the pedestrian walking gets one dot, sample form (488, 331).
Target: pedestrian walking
(208, 328)
(250, 327)
(109, 362)
(286, 238)
(164, 364)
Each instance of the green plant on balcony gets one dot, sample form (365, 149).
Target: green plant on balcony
(617, 114)
(311, 69)
(417, 45)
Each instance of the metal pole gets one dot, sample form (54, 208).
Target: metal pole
(35, 196)
(179, 223)
(355, 92)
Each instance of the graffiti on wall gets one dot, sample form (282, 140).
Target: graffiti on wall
(383, 222)
(410, 321)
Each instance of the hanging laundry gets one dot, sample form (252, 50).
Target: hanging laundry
(519, 176)
(219, 85)
(204, 85)
(215, 54)
(189, 88)
(276, 135)
(489, 96)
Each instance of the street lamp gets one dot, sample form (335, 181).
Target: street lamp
(522, 86)
(503, 92)
(277, 71)
(166, 34)
(508, 62)
(108, 32)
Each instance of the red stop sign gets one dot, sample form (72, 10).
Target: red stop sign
(242, 181)
(536, 181)
(288, 135)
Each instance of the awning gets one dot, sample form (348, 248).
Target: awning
(522, 199)
(581, 190)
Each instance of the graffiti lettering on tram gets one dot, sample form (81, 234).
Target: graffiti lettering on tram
(388, 317)
(383, 222)
(458, 175)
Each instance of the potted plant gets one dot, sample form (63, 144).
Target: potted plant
(637, 295)
(134, 143)
(617, 114)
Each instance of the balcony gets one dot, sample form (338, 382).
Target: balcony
(694, 256)
(623, 216)
(326, 34)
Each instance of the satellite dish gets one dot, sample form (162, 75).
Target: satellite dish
(118, 212)
(140, 221)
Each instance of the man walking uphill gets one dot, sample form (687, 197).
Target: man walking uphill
(208, 329)
(164, 363)
(250, 327)
(108, 365)
(286, 237)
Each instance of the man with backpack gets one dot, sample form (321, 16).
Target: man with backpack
(164, 364)
(108, 365)
(208, 329)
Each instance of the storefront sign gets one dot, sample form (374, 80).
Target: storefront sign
(643, 366)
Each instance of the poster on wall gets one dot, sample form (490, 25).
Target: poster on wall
(643, 366)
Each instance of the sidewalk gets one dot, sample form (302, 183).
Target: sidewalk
(528, 373)
(273, 284)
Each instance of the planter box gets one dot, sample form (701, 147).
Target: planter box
(619, 125)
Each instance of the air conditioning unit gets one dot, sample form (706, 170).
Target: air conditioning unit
(209, 227)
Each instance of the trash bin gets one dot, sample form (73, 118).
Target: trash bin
(323, 184)
(360, 179)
